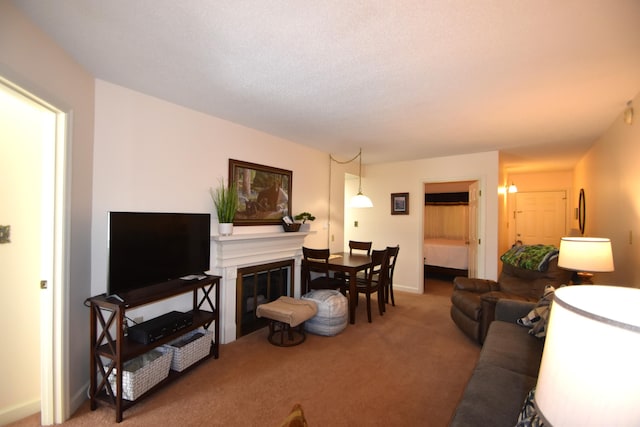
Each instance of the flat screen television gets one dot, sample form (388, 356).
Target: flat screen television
(147, 248)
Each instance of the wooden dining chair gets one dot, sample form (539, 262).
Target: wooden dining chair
(360, 246)
(317, 275)
(370, 284)
(393, 256)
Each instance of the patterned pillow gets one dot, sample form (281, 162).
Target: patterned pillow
(537, 318)
(528, 416)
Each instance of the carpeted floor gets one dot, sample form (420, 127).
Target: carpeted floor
(408, 367)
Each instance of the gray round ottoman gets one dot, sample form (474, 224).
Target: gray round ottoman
(333, 312)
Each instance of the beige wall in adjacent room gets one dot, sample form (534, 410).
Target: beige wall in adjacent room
(610, 176)
(35, 62)
(22, 128)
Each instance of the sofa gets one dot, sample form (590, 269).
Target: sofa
(473, 300)
(507, 369)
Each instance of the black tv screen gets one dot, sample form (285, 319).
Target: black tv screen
(146, 248)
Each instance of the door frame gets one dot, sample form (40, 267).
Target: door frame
(480, 255)
(55, 262)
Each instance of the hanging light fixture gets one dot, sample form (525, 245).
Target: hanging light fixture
(360, 200)
(512, 188)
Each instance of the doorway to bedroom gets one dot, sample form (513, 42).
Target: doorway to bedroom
(450, 229)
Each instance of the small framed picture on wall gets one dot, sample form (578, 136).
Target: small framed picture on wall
(399, 203)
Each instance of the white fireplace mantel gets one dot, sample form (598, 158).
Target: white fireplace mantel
(228, 253)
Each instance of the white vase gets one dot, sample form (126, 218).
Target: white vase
(305, 227)
(225, 228)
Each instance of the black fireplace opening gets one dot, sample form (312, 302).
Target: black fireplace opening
(260, 284)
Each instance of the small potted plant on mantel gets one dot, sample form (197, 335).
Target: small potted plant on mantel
(225, 200)
(304, 217)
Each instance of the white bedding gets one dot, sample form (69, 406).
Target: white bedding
(446, 253)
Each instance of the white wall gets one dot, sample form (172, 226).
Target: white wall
(610, 176)
(33, 61)
(377, 224)
(22, 127)
(151, 155)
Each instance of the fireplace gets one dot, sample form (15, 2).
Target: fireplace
(235, 254)
(257, 285)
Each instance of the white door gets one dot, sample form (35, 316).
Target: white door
(540, 217)
(474, 240)
(27, 162)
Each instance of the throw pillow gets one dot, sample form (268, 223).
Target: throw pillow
(295, 418)
(528, 416)
(537, 318)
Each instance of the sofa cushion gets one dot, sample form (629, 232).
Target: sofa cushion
(493, 397)
(509, 346)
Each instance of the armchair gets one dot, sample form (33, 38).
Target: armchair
(474, 300)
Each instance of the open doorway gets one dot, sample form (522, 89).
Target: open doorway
(31, 261)
(450, 229)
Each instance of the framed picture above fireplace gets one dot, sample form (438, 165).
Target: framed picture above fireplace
(264, 193)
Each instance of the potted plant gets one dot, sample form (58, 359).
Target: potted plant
(304, 217)
(225, 200)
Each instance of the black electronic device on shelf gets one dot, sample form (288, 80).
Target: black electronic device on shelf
(160, 327)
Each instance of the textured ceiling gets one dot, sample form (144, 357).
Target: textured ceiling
(539, 80)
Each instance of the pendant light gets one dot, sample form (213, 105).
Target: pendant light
(360, 200)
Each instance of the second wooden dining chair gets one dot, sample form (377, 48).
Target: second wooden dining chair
(393, 256)
(363, 248)
(370, 284)
(317, 275)
(360, 247)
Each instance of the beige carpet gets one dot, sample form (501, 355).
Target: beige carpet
(408, 367)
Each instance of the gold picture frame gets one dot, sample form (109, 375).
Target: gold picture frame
(264, 193)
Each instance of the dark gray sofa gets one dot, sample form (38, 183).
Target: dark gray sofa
(506, 371)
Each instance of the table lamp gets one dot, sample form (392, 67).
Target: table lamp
(589, 374)
(585, 256)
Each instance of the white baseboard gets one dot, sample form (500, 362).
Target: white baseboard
(18, 412)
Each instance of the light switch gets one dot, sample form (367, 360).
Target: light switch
(5, 234)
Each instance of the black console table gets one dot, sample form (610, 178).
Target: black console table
(108, 341)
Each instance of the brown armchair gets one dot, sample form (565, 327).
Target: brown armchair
(474, 300)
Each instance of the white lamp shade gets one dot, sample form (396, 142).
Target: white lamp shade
(590, 254)
(590, 374)
(361, 201)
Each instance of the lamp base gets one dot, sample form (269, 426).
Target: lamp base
(582, 278)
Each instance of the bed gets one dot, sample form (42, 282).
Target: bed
(446, 255)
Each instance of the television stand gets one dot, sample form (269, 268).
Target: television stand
(110, 348)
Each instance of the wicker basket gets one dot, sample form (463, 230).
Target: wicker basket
(190, 348)
(142, 373)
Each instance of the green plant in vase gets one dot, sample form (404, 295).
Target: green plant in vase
(225, 200)
(304, 217)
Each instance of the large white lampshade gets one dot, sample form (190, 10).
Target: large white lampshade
(592, 254)
(590, 370)
(361, 201)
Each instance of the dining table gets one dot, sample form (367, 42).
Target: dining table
(350, 264)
